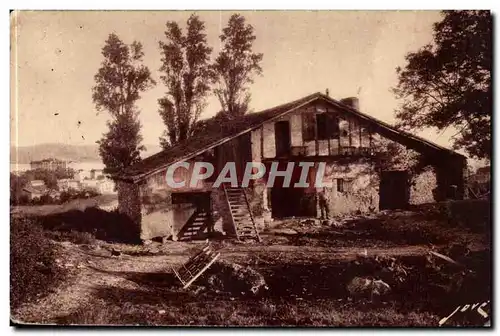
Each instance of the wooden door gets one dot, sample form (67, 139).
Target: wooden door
(394, 190)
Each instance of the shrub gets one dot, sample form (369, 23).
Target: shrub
(32, 262)
(46, 199)
(73, 236)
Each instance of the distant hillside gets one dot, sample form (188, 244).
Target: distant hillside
(63, 152)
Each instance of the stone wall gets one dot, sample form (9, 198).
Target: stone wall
(423, 186)
(129, 204)
(360, 188)
(161, 218)
(223, 215)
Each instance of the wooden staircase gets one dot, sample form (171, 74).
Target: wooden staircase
(195, 225)
(241, 215)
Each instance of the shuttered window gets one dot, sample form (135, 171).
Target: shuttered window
(308, 129)
(328, 126)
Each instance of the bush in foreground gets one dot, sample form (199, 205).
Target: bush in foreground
(32, 262)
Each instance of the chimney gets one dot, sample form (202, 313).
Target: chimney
(352, 102)
(327, 92)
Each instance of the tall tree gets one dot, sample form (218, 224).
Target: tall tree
(119, 82)
(186, 74)
(235, 66)
(448, 83)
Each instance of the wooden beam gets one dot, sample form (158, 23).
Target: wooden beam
(316, 132)
(261, 142)
(360, 135)
(350, 132)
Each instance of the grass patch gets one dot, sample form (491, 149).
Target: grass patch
(247, 313)
(73, 236)
(33, 270)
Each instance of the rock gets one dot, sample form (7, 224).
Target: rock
(367, 288)
(154, 250)
(161, 311)
(380, 288)
(69, 265)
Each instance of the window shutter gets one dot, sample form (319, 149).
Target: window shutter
(308, 132)
(332, 126)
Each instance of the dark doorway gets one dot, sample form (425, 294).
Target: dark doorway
(394, 190)
(282, 138)
(292, 201)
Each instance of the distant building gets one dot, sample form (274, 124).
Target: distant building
(34, 192)
(89, 184)
(96, 173)
(102, 186)
(49, 164)
(106, 186)
(65, 184)
(37, 183)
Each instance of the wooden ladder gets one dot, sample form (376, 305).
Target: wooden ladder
(241, 214)
(196, 266)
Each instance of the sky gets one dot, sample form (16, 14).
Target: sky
(55, 55)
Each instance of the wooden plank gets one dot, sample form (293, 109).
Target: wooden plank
(261, 142)
(202, 271)
(316, 134)
(178, 276)
(448, 259)
(350, 132)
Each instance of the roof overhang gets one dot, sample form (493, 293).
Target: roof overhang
(390, 132)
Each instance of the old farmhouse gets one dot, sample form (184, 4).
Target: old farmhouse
(315, 128)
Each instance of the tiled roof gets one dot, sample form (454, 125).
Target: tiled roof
(217, 130)
(210, 133)
(35, 189)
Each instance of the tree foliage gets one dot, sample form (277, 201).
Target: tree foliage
(235, 66)
(120, 146)
(119, 82)
(186, 74)
(448, 83)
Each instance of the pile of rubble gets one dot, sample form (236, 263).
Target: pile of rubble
(218, 275)
(236, 279)
(385, 275)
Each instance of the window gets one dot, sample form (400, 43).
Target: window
(344, 185)
(308, 132)
(327, 125)
(340, 185)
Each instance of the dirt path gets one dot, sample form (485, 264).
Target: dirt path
(93, 268)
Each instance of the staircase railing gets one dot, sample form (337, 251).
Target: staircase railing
(251, 215)
(230, 211)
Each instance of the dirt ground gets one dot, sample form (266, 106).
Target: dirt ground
(305, 263)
